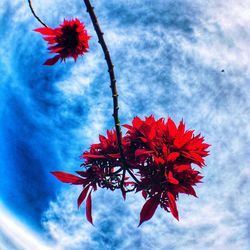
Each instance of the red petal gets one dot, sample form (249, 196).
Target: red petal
(152, 133)
(137, 122)
(173, 156)
(197, 158)
(143, 139)
(126, 183)
(192, 191)
(165, 151)
(92, 156)
(102, 138)
(115, 155)
(45, 31)
(181, 129)
(124, 194)
(171, 178)
(82, 196)
(148, 209)
(181, 168)
(89, 209)
(52, 61)
(68, 178)
(181, 140)
(158, 161)
(172, 205)
(171, 128)
(55, 49)
(50, 39)
(127, 126)
(140, 152)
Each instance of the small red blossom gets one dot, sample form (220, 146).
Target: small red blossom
(158, 153)
(70, 39)
(100, 164)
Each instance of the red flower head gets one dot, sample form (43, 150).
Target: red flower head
(70, 39)
(162, 154)
(100, 164)
(158, 153)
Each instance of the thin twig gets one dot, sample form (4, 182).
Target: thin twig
(35, 15)
(90, 10)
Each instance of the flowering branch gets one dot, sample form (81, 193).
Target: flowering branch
(90, 10)
(35, 15)
(160, 153)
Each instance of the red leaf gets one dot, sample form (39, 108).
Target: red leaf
(89, 209)
(172, 205)
(144, 194)
(52, 60)
(83, 173)
(68, 178)
(148, 209)
(82, 196)
(45, 31)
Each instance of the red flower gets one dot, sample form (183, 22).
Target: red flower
(162, 155)
(158, 153)
(70, 39)
(100, 163)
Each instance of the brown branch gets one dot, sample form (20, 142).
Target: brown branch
(90, 10)
(35, 15)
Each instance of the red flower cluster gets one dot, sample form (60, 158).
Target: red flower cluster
(158, 153)
(70, 39)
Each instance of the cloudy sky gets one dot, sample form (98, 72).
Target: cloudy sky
(180, 58)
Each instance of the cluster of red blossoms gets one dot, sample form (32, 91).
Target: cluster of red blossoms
(158, 154)
(70, 39)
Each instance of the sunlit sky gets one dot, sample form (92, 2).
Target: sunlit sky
(187, 59)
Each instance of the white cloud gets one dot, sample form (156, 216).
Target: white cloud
(81, 75)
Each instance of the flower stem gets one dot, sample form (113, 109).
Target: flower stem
(90, 10)
(35, 15)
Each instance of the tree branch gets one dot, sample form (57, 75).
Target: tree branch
(90, 10)
(34, 14)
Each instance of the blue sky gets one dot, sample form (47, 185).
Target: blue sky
(168, 56)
